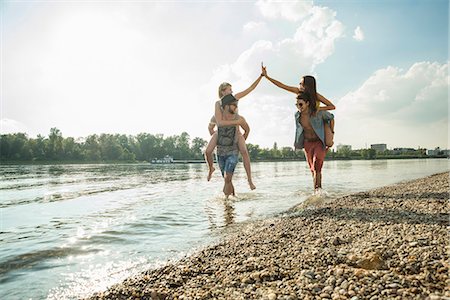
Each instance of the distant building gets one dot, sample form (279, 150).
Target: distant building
(438, 152)
(433, 152)
(341, 147)
(378, 147)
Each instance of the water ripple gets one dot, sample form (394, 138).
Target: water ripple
(32, 259)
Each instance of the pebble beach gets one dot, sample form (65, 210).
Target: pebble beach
(387, 243)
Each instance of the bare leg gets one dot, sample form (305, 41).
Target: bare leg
(246, 160)
(232, 190)
(228, 186)
(225, 190)
(318, 180)
(309, 160)
(209, 155)
(318, 169)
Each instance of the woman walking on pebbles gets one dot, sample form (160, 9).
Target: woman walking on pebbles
(314, 125)
(310, 135)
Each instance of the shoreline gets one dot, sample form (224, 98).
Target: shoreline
(387, 243)
(193, 161)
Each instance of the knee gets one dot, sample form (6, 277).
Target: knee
(317, 166)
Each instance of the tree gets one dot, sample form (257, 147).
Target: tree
(169, 147)
(19, 147)
(344, 151)
(110, 148)
(368, 153)
(197, 145)
(91, 148)
(253, 151)
(265, 153)
(182, 145)
(5, 146)
(54, 148)
(72, 149)
(38, 147)
(287, 152)
(120, 147)
(145, 144)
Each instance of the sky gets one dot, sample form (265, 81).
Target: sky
(92, 67)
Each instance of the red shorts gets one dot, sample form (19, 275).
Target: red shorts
(315, 154)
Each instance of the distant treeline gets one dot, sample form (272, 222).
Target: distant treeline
(116, 147)
(146, 147)
(98, 148)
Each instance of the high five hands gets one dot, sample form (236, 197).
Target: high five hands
(263, 70)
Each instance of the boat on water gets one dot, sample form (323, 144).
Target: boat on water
(165, 160)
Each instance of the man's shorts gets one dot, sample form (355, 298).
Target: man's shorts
(227, 163)
(315, 155)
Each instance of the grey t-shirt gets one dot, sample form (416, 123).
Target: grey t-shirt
(227, 137)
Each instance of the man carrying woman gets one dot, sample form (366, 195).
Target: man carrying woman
(314, 125)
(218, 120)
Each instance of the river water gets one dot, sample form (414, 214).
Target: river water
(67, 231)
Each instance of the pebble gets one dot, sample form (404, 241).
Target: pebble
(392, 243)
(272, 296)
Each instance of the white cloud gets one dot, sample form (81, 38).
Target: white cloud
(253, 26)
(271, 119)
(12, 126)
(358, 34)
(289, 10)
(316, 36)
(310, 45)
(268, 109)
(393, 105)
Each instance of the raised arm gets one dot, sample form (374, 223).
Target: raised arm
(328, 104)
(288, 88)
(249, 89)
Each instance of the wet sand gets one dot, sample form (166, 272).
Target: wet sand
(387, 243)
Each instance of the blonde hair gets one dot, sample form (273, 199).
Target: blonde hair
(222, 87)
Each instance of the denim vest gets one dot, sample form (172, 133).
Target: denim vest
(317, 123)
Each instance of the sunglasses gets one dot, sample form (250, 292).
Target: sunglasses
(299, 104)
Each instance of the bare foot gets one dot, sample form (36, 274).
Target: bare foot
(252, 186)
(211, 171)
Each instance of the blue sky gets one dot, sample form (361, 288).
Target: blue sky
(131, 67)
(398, 33)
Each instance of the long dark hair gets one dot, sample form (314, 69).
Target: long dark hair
(305, 96)
(309, 83)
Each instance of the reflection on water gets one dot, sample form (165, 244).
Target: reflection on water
(378, 164)
(67, 228)
(229, 212)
